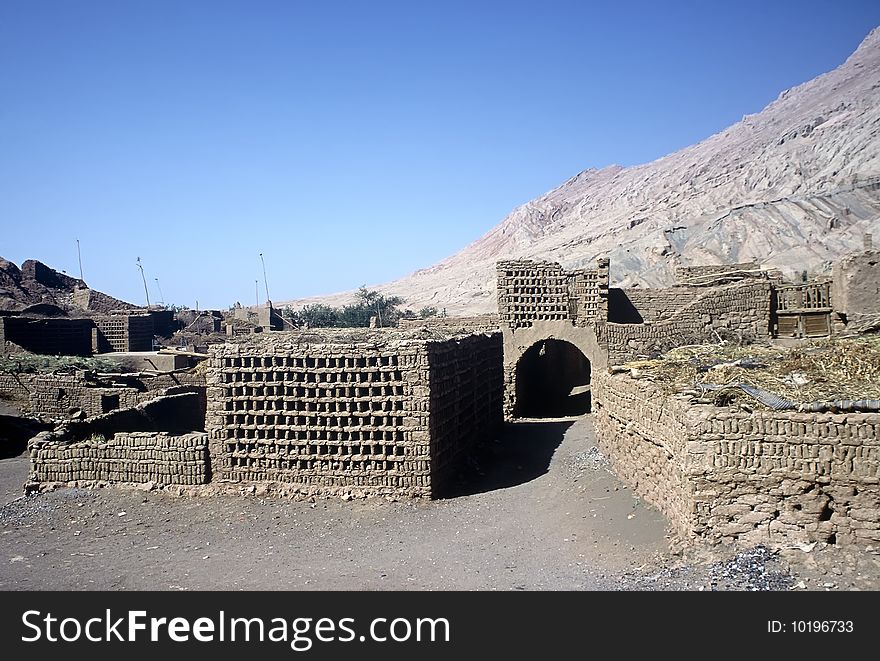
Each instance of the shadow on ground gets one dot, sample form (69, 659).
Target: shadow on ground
(520, 453)
(15, 431)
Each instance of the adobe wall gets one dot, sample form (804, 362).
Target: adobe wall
(475, 324)
(55, 395)
(652, 305)
(724, 475)
(707, 272)
(855, 289)
(645, 436)
(380, 417)
(735, 311)
(67, 337)
(124, 333)
(157, 441)
(465, 401)
(133, 457)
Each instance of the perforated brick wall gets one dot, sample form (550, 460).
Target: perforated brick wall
(384, 417)
(125, 333)
(530, 291)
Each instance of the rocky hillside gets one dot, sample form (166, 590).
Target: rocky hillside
(40, 288)
(794, 186)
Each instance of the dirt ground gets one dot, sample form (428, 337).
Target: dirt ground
(537, 509)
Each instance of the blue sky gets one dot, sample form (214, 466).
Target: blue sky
(352, 142)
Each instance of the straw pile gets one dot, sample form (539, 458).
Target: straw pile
(821, 370)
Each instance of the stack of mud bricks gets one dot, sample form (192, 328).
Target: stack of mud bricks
(723, 474)
(134, 457)
(530, 291)
(375, 418)
(124, 333)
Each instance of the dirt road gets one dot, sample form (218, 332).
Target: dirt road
(537, 510)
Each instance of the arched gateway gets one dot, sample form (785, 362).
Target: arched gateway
(552, 380)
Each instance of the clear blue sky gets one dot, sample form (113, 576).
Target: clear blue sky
(353, 142)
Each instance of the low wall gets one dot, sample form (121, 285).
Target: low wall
(158, 441)
(55, 395)
(137, 457)
(473, 324)
(720, 474)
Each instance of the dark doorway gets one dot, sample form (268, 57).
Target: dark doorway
(552, 381)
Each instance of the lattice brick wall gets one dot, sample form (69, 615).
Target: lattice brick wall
(335, 415)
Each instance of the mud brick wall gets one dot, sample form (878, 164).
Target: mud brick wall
(175, 413)
(124, 333)
(644, 434)
(658, 304)
(627, 342)
(736, 311)
(530, 291)
(686, 274)
(466, 384)
(14, 389)
(724, 475)
(333, 417)
(58, 394)
(137, 457)
(477, 323)
(64, 337)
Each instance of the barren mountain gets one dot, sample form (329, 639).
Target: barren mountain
(794, 187)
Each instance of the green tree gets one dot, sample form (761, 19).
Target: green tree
(367, 304)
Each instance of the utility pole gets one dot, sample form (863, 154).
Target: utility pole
(265, 279)
(159, 287)
(79, 258)
(257, 291)
(143, 277)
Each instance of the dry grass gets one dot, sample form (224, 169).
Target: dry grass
(821, 370)
(31, 363)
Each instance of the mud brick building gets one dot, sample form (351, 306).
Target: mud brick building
(381, 413)
(124, 333)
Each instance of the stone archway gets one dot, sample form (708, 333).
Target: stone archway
(552, 380)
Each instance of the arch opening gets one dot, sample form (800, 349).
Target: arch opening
(552, 381)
